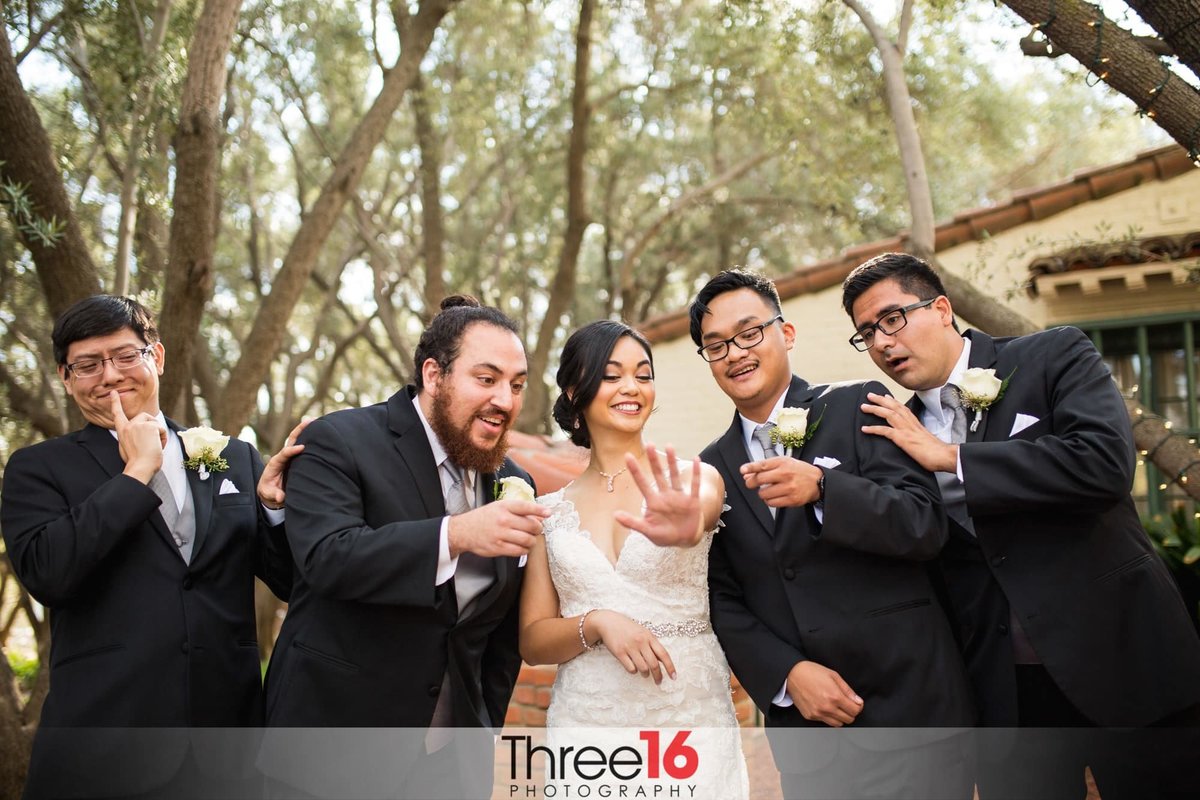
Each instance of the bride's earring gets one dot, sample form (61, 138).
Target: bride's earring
(577, 423)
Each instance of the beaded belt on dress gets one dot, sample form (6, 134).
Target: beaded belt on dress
(689, 627)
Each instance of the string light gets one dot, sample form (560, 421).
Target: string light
(1040, 27)
(1181, 477)
(1097, 61)
(1156, 92)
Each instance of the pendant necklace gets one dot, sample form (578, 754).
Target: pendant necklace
(612, 477)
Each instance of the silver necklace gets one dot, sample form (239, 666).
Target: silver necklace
(612, 477)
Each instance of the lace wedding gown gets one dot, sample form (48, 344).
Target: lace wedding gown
(666, 590)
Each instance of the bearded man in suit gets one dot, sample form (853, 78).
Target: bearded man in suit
(819, 591)
(405, 609)
(147, 568)
(1066, 616)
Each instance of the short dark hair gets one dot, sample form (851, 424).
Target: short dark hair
(913, 275)
(442, 340)
(100, 315)
(728, 281)
(581, 368)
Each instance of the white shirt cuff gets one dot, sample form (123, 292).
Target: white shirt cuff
(782, 698)
(274, 516)
(819, 513)
(446, 565)
(958, 463)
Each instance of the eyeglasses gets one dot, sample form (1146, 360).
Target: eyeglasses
(751, 337)
(124, 361)
(889, 323)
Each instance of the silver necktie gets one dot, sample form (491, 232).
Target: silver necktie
(953, 403)
(168, 509)
(762, 435)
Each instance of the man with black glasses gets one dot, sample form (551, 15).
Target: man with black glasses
(1067, 617)
(818, 584)
(143, 545)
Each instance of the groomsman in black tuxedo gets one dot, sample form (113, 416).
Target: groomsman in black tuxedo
(147, 568)
(819, 590)
(1065, 614)
(405, 609)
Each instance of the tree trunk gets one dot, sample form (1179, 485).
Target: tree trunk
(143, 99)
(1174, 455)
(64, 267)
(916, 177)
(433, 228)
(562, 290)
(270, 324)
(1178, 23)
(193, 236)
(15, 741)
(1117, 58)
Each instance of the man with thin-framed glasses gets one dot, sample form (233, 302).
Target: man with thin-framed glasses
(147, 568)
(817, 583)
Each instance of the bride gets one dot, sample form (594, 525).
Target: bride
(616, 592)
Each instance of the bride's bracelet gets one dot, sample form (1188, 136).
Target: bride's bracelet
(583, 639)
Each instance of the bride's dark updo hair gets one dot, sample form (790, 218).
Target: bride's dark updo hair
(581, 368)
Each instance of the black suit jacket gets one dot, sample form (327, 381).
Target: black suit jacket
(138, 636)
(851, 593)
(1058, 537)
(369, 636)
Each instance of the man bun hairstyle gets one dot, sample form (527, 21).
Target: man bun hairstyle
(581, 368)
(100, 315)
(442, 339)
(730, 281)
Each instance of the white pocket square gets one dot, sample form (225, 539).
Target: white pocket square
(521, 561)
(227, 487)
(1022, 422)
(829, 462)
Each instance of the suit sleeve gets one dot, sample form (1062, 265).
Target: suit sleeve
(273, 562)
(1085, 460)
(56, 547)
(892, 506)
(336, 552)
(759, 658)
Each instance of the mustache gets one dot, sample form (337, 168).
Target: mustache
(496, 412)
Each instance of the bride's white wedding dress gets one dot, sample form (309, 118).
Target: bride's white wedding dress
(666, 590)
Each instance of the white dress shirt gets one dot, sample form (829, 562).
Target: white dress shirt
(936, 419)
(446, 565)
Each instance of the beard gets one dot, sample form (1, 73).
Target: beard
(456, 440)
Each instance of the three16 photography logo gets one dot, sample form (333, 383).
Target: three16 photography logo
(602, 763)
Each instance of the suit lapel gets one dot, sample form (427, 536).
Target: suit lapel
(415, 452)
(503, 566)
(983, 355)
(799, 395)
(102, 446)
(202, 496)
(732, 448)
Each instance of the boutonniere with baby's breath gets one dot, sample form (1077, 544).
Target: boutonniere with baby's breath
(203, 447)
(792, 429)
(980, 389)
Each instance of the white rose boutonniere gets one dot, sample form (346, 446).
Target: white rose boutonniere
(979, 389)
(203, 447)
(514, 488)
(792, 429)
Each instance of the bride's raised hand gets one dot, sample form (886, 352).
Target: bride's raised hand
(638, 650)
(672, 514)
